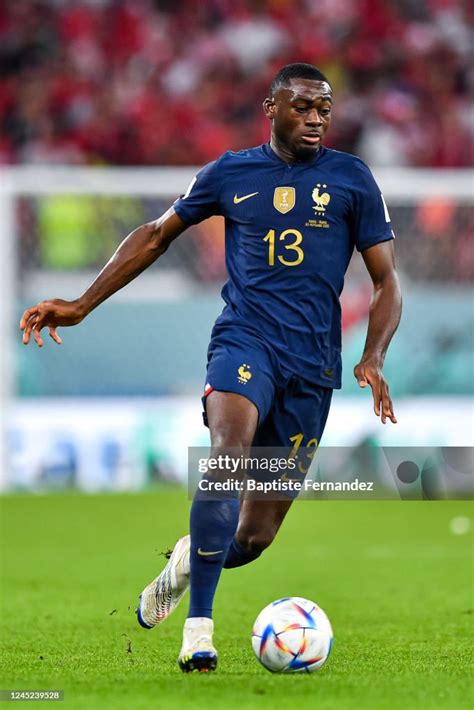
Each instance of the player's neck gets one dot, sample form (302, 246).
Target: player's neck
(285, 153)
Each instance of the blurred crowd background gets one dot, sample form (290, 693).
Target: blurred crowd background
(177, 82)
(173, 82)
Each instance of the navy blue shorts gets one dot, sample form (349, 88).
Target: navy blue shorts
(288, 406)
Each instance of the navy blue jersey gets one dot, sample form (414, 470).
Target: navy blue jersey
(290, 233)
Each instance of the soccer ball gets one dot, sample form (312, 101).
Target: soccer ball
(292, 635)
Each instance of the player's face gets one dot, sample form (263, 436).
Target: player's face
(300, 114)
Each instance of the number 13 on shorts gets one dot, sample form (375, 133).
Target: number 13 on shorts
(312, 445)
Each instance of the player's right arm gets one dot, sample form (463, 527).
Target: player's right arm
(137, 251)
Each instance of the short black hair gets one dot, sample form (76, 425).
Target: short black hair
(299, 70)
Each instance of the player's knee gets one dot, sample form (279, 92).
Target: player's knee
(226, 448)
(225, 440)
(230, 433)
(255, 540)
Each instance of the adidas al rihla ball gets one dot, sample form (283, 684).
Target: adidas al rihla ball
(292, 635)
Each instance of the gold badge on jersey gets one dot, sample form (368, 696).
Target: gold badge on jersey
(321, 200)
(284, 199)
(243, 374)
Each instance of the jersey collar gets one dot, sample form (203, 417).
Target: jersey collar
(270, 153)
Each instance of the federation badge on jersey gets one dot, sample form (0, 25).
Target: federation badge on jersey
(284, 199)
(322, 200)
(243, 374)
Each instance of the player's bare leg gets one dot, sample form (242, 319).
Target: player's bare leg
(232, 421)
(259, 523)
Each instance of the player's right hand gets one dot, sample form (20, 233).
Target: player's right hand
(49, 314)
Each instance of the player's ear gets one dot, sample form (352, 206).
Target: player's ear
(269, 108)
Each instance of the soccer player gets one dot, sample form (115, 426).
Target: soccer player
(294, 211)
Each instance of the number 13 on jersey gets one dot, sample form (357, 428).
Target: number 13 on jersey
(292, 246)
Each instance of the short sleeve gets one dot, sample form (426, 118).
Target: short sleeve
(370, 217)
(201, 199)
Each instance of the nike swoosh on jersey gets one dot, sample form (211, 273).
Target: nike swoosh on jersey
(244, 197)
(207, 554)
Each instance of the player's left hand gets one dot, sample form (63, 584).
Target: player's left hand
(369, 372)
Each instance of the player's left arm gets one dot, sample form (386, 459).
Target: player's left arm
(384, 317)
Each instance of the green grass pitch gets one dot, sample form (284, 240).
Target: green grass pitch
(393, 579)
